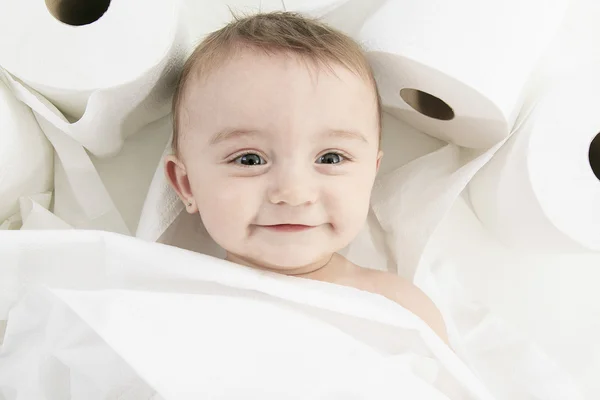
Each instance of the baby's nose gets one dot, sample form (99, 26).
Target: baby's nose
(294, 187)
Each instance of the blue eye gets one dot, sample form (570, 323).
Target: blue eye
(249, 159)
(330, 158)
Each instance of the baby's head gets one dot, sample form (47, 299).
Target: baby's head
(276, 136)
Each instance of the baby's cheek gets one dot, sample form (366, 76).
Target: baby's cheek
(350, 205)
(222, 211)
(226, 211)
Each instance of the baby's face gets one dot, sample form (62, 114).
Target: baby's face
(278, 157)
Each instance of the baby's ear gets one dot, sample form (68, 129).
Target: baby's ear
(177, 176)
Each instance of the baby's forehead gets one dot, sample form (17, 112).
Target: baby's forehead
(244, 66)
(247, 76)
(274, 92)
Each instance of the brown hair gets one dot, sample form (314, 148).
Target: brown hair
(275, 32)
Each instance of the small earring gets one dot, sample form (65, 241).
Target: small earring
(189, 204)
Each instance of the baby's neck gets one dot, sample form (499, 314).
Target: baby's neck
(317, 270)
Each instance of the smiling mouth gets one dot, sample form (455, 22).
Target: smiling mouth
(288, 227)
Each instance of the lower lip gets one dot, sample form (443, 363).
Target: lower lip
(288, 228)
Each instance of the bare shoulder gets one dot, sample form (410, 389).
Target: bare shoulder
(407, 295)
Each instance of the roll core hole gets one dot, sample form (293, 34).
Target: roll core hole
(77, 12)
(427, 104)
(595, 156)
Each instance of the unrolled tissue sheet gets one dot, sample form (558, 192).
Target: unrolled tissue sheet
(366, 345)
(106, 76)
(33, 214)
(458, 69)
(26, 156)
(512, 366)
(541, 192)
(411, 201)
(74, 173)
(551, 299)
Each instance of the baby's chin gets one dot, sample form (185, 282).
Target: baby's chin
(289, 261)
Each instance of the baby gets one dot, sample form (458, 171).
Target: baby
(277, 126)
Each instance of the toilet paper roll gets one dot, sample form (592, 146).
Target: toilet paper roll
(26, 156)
(314, 8)
(201, 17)
(541, 191)
(349, 16)
(109, 67)
(457, 69)
(412, 200)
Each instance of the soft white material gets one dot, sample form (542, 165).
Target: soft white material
(11, 223)
(201, 17)
(349, 16)
(127, 175)
(313, 8)
(96, 261)
(412, 200)
(26, 157)
(204, 16)
(111, 76)
(569, 331)
(549, 299)
(112, 83)
(34, 213)
(87, 369)
(228, 329)
(76, 178)
(462, 53)
(539, 192)
(497, 351)
(93, 207)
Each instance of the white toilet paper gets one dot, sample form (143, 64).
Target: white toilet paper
(75, 176)
(25, 154)
(111, 75)
(350, 15)
(314, 8)
(412, 200)
(542, 189)
(201, 17)
(457, 69)
(36, 215)
(114, 78)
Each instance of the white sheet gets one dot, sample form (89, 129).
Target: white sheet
(549, 300)
(478, 336)
(206, 327)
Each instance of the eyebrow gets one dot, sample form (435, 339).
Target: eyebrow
(228, 134)
(347, 134)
